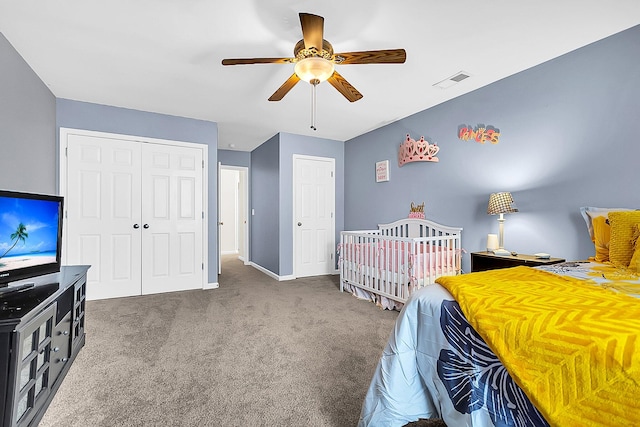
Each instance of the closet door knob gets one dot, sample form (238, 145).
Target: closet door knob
(136, 226)
(145, 226)
(299, 224)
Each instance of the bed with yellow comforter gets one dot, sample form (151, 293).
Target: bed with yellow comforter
(556, 345)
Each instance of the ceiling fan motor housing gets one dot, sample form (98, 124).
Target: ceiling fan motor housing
(301, 53)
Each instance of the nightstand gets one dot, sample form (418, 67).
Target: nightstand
(481, 261)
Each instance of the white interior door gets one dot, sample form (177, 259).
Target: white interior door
(172, 215)
(314, 205)
(103, 222)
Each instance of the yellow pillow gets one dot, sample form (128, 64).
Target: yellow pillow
(601, 237)
(635, 259)
(589, 212)
(636, 235)
(622, 227)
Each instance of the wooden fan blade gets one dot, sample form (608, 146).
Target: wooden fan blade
(245, 61)
(388, 56)
(312, 30)
(285, 88)
(344, 87)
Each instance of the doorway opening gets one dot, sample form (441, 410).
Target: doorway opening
(233, 222)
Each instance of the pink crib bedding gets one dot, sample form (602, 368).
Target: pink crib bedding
(415, 259)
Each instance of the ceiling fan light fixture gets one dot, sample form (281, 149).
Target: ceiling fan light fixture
(314, 68)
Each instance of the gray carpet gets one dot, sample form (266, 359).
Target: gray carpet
(255, 352)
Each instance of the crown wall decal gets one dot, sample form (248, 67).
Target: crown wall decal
(417, 151)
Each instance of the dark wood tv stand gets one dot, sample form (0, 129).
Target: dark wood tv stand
(41, 333)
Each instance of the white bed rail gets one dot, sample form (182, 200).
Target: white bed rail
(399, 258)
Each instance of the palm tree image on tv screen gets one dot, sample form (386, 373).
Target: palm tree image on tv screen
(20, 235)
(28, 232)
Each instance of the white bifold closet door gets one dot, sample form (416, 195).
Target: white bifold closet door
(135, 214)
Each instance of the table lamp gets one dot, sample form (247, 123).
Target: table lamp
(501, 203)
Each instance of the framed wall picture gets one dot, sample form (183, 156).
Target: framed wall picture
(382, 171)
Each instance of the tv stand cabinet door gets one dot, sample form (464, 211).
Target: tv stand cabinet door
(33, 368)
(5, 393)
(60, 351)
(77, 329)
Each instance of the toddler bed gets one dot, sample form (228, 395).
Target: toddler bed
(388, 264)
(547, 346)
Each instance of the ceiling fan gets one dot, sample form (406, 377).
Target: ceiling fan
(315, 60)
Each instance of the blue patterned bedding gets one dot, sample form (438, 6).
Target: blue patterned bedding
(436, 366)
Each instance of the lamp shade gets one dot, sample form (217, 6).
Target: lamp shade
(314, 68)
(500, 203)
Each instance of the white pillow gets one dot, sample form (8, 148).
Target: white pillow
(589, 212)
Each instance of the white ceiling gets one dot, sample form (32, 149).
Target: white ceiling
(165, 56)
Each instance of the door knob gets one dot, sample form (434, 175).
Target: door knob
(145, 226)
(221, 223)
(136, 226)
(299, 224)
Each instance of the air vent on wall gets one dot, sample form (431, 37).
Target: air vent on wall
(450, 81)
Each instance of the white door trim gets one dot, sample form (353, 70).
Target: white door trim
(62, 173)
(218, 240)
(333, 218)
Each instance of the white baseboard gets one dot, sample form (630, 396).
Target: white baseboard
(215, 285)
(271, 273)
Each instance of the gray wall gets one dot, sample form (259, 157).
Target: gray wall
(291, 144)
(265, 193)
(568, 139)
(27, 127)
(272, 196)
(102, 118)
(234, 158)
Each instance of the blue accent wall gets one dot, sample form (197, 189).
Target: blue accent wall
(103, 118)
(569, 138)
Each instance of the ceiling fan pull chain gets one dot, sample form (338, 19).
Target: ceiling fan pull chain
(314, 83)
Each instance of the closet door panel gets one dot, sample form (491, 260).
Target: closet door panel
(172, 215)
(103, 208)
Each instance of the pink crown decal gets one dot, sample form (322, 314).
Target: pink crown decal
(417, 151)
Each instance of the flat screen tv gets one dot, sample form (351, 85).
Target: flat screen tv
(30, 235)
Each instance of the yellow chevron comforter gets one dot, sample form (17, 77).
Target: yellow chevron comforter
(573, 347)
